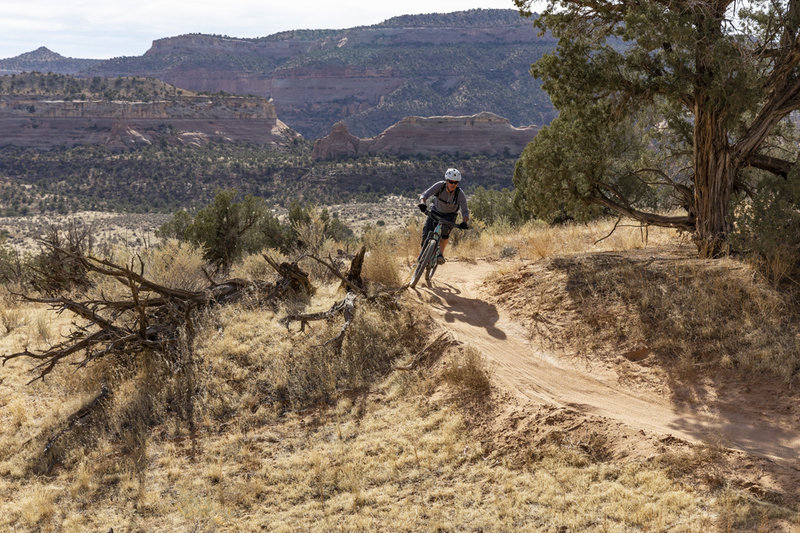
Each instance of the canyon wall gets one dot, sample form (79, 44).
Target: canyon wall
(29, 121)
(370, 77)
(483, 133)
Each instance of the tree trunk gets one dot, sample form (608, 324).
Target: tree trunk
(713, 167)
(713, 180)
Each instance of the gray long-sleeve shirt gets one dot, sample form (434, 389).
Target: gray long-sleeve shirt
(446, 202)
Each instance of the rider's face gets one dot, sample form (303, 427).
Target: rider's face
(451, 185)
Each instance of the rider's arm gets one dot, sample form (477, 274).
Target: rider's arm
(462, 203)
(428, 193)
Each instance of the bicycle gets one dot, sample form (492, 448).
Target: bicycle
(427, 261)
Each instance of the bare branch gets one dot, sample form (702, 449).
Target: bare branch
(125, 327)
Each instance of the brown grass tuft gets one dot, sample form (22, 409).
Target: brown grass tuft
(381, 264)
(467, 371)
(693, 311)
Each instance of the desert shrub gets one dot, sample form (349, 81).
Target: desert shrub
(177, 265)
(467, 371)
(177, 227)
(13, 268)
(768, 227)
(228, 229)
(489, 205)
(56, 268)
(381, 264)
(304, 215)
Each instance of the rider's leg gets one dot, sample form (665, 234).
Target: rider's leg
(443, 244)
(427, 227)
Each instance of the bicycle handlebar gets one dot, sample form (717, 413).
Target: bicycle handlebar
(462, 225)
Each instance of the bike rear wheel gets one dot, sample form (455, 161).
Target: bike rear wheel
(424, 262)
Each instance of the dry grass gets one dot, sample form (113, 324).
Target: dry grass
(696, 312)
(275, 430)
(386, 460)
(381, 265)
(468, 372)
(536, 240)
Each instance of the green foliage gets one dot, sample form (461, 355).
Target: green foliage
(490, 205)
(562, 171)
(227, 229)
(768, 227)
(660, 106)
(302, 214)
(168, 178)
(177, 227)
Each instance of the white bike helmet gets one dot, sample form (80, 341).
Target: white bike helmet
(452, 174)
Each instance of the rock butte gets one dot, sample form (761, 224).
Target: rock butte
(484, 133)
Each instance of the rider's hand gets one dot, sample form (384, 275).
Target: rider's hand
(463, 225)
(423, 207)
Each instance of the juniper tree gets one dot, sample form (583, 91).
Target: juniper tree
(653, 94)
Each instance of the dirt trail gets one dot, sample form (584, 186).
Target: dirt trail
(457, 296)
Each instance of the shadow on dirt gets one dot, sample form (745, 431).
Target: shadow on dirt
(475, 312)
(715, 334)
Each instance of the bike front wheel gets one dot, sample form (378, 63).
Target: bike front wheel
(425, 258)
(430, 271)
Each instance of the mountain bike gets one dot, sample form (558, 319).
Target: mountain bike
(428, 257)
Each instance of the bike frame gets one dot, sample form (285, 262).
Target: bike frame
(426, 262)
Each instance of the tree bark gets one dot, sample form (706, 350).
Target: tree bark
(713, 168)
(713, 182)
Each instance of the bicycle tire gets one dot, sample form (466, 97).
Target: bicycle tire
(430, 271)
(424, 262)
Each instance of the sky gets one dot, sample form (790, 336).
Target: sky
(101, 29)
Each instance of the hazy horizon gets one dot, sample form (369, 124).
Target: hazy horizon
(101, 30)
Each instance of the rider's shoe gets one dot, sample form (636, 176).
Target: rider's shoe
(440, 259)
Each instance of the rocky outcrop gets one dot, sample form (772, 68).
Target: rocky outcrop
(39, 122)
(484, 133)
(338, 144)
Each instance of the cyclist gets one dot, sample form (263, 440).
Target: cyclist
(448, 198)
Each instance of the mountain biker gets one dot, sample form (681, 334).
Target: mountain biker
(448, 198)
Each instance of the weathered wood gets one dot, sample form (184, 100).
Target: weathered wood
(435, 347)
(353, 278)
(292, 277)
(152, 318)
(345, 307)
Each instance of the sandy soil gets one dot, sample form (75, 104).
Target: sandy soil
(744, 433)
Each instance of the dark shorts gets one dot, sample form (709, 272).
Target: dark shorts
(430, 223)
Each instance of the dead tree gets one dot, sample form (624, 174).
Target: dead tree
(153, 317)
(346, 306)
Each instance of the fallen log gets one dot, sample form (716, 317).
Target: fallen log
(152, 318)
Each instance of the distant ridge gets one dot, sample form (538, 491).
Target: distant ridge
(45, 60)
(369, 77)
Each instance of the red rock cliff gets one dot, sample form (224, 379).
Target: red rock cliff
(43, 123)
(484, 133)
